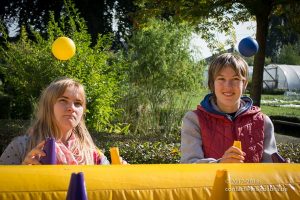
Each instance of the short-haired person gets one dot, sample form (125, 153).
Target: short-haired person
(223, 116)
(60, 115)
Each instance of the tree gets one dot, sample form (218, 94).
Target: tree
(110, 16)
(219, 14)
(99, 15)
(33, 15)
(292, 12)
(280, 33)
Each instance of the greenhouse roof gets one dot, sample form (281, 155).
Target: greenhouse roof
(288, 75)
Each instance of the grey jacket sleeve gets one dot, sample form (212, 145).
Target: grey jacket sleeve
(269, 140)
(14, 152)
(191, 142)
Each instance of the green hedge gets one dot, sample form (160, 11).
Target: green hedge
(139, 152)
(290, 150)
(152, 149)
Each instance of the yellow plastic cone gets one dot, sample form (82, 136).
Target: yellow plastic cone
(115, 156)
(222, 186)
(237, 144)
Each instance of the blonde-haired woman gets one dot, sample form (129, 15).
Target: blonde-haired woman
(60, 115)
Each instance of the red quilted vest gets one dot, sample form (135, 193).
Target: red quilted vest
(219, 133)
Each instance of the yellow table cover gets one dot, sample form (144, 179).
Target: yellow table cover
(152, 181)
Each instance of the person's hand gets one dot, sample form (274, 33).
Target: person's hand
(33, 157)
(123, 162)
(288, 160)
(233, 155)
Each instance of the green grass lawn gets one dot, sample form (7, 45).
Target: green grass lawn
(280, 111)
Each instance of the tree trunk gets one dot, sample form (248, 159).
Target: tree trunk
(259, 59)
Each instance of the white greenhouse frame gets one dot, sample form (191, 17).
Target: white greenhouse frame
(284, 77)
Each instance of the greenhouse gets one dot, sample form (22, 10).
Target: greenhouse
(278, 76)
(286, 77)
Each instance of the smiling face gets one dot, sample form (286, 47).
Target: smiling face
(227, 79)
(68, 109)
(228, 89)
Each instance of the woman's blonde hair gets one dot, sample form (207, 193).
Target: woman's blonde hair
(45, 124)
(237, 63)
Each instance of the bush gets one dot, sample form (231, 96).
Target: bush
(153, 149)
(5, 101)
(157, 149)
(157, 152)
(273, 91)
(28, 67)
(290, 150)
(290, 54)
(162, 77)
(137, 152)
(10, 129)
(141, 149)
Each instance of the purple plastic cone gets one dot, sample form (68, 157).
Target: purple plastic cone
(276, 158)
(72, 187)
(77, 189)
(49, 149)
(81, 189)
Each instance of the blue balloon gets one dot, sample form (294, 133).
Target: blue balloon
(248, 47)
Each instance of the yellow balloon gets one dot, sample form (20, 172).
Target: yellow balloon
(63, 48)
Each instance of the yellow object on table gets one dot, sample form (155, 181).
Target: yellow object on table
(237, 144)
(222, 186)
(115, 156)
(275, 181)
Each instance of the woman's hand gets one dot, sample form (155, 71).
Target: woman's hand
(233, 155)
(33, 157)
(123, 162)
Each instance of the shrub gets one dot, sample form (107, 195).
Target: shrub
(10, 129)
(137, 152)
(153, 149)
(28, 66)
(290, 150)
(156, 149)
(162, 77)
(290, 54)
(158, 152)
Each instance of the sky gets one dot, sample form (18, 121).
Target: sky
(242, 30)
